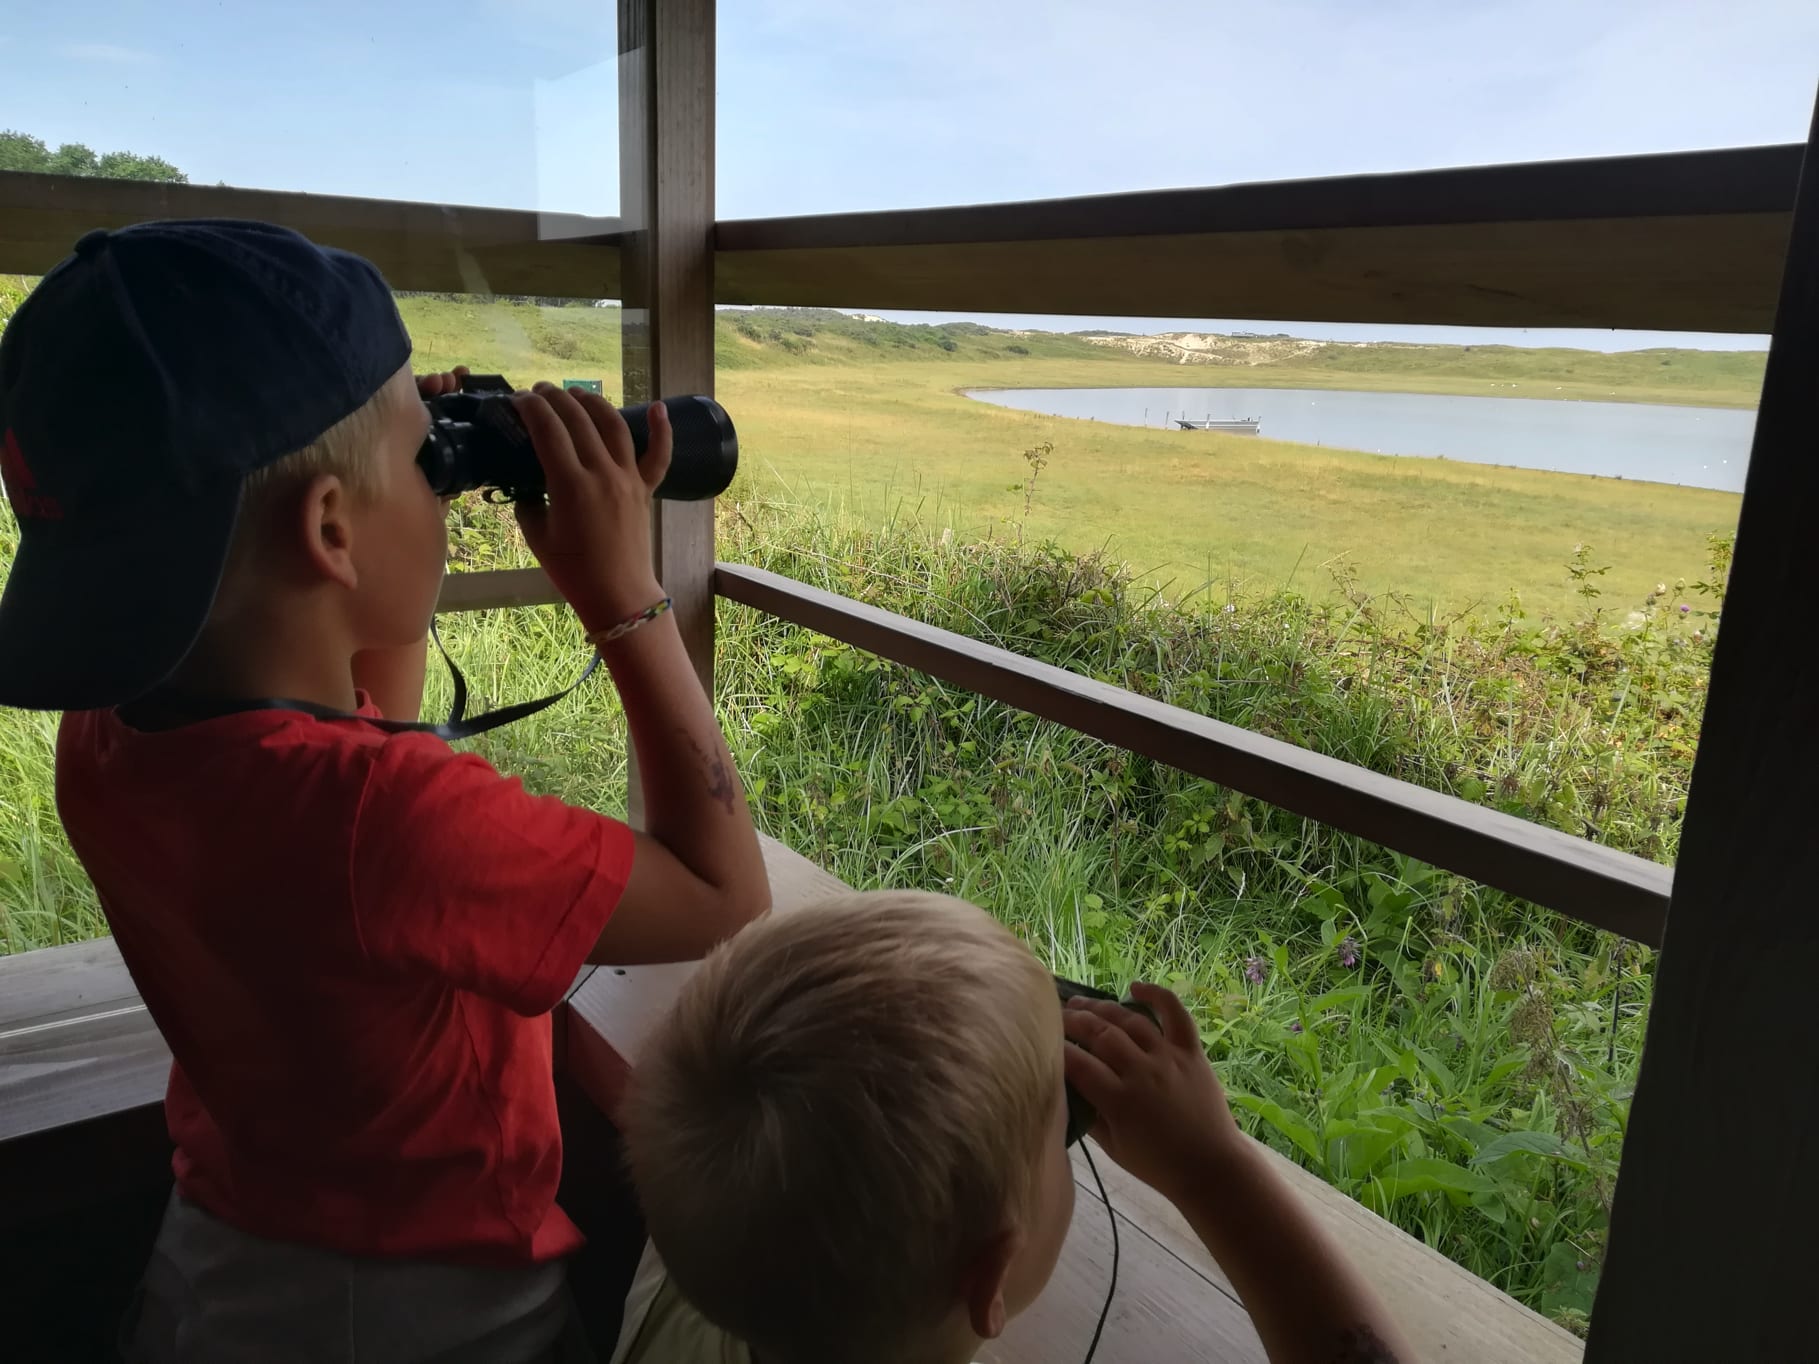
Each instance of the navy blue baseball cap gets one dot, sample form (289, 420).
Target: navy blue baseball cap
(140, 382)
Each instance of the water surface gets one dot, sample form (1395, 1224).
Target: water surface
(1702, 447)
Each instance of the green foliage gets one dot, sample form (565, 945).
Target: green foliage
(23, 152)
(1456, 1059)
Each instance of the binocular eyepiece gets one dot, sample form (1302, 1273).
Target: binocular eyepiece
(476, 441)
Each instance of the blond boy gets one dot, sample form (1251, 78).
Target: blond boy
(350, 934)
(849, 1141)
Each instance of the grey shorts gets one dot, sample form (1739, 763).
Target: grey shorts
(214, 1295)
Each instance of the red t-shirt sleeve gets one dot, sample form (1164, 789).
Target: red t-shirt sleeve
(460, 872)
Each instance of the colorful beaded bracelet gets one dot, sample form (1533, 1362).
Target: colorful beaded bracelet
(625, 627)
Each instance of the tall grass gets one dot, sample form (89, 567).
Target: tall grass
(1457, 1059)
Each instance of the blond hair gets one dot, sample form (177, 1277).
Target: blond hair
(845, 1105)
(347, 450)
(344, 450)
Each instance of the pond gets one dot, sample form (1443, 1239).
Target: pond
(1702, 447)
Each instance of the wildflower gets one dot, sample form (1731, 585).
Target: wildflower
(1348, 952)
(1229, 608)
(1295, 1027)
(1660, 589)
(1684, 608)
(1256, 970)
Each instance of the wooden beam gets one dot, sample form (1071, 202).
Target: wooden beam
(432, 247)
(497, 587)
(1719, 1151)
(1601, 886)
(1687, 241)
(666, 159)
(1598, 885)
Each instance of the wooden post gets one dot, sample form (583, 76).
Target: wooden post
(666, 194)
(1711, 1252)
(666, 207)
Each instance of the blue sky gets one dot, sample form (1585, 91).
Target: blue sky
(831, 105)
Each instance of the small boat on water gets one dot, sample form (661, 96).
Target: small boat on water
(1237, 426)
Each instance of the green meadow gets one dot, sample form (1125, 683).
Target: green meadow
(870, 422)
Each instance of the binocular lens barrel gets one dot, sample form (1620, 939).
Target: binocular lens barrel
(476, 441)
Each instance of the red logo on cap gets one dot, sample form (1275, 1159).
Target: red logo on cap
(22, 486)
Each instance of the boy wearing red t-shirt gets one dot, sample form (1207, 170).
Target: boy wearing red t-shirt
(351, 936)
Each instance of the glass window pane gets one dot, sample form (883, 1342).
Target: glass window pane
(498, 105)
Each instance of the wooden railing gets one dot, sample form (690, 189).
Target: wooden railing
(1597, 885)
(1689, 241)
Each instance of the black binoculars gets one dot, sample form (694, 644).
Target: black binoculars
(476, 440)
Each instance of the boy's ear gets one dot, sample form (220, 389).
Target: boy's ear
(326, 530)
(982, 1283)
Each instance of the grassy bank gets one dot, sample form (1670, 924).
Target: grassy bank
(866, 419)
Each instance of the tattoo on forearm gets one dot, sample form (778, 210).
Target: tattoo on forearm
(721, 784)
(1361, 1345)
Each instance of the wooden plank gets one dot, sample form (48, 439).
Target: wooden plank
(60, 982)
(1750, 180)
(75, 1040)
(82, 1077)
(1448, 1312)
(1687, 241)
(417, 246)
(1601, 886)
(497, 587)
(1165, 1309)
(1719, 1150)
(1713, 273)
(666, 159)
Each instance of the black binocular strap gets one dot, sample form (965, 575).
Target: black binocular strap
(169, 712)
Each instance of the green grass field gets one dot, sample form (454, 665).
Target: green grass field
(869, 420)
